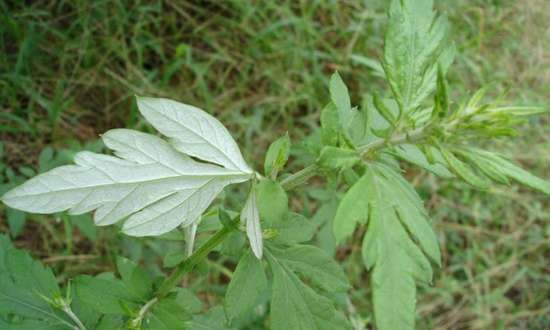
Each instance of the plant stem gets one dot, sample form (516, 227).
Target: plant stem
(187, 265)
(300, 177)
(72, 315)
(310, 171)
(136, 323)
(289, 183)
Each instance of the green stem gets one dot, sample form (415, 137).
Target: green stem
(310, 171)
(187, 265)
(288, 183)
(79, 325)
(300, 177)
(136, 323)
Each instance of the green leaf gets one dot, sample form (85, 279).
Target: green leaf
(213, 319)
(339, 95)
(352, 210)
(187, 298)
(24, 283)
(330, 125)
(463, 171)
(277, 156)
(505, 167)
(295, 228)
(272, 202)
(27, 324)
(412, 154)
(135, 278)
(397, 245)
(414, 42)
(324, 217)
(441, 99)
(5, 246)
(105, 294)
(88, 316)
(485, 165)
(294, 305)
(383, 110)
(520, 111)
(313, 264)
(351, 123)
(85, 225)
(246, 285)
(110, 322)
(233, 244)
(166, 314)
(16, 221)
(338, 158)
(378, 126)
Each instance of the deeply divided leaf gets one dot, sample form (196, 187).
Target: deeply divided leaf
(295, 305)
(415, 41)
(153, 184)
(398, 244)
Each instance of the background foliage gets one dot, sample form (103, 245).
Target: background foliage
(70, 69)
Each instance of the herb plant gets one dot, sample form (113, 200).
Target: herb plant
(157, 186)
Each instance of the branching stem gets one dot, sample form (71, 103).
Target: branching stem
(136, 322)
(187, 265)
(288, 183)
(310, 171)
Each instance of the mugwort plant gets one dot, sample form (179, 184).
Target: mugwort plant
(159, 185)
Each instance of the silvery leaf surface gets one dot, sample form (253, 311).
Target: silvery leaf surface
(148, 182)
(193, 132)
(250, 216)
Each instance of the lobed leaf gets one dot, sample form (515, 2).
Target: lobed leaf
(313, 264)
(294, 305)
(415, 41)
(352, 210)
(151, 184)
(193, 132)
(398, 244)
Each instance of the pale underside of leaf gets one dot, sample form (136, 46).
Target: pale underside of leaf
(190, 233)
(193, 132)
(251, 217)
(151, 184)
